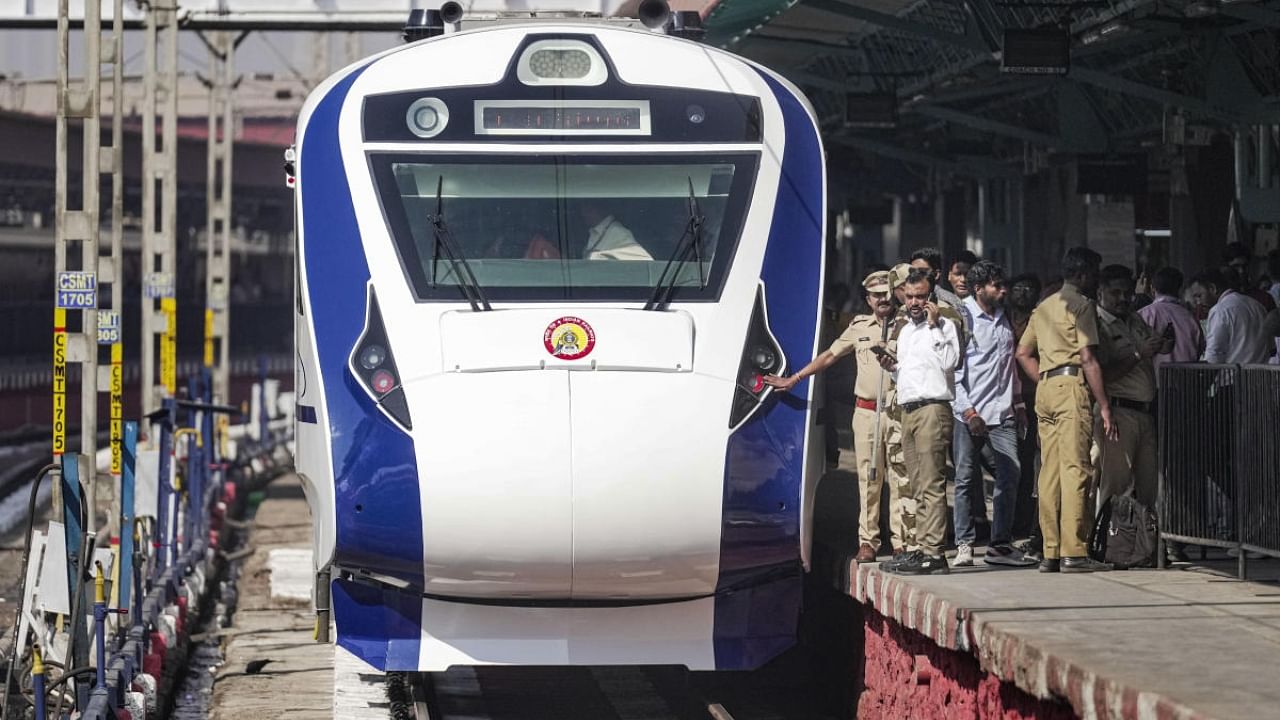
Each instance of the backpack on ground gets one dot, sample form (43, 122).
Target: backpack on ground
(1125, 534)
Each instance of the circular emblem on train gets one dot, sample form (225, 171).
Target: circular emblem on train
(569, 338)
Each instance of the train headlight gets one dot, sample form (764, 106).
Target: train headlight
(764, 358)
(427, 117)
(374, 367)
(561, 62)
(761, 355)
(372, 356)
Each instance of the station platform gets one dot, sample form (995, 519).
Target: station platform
(1188, 642)
(272, 666)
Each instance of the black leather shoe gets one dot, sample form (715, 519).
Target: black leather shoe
(923, 564)
(898, 559)
(1049, 565)
(1083, 565)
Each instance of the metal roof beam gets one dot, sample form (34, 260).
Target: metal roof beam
(970, 168)
(996, 86)
(823, 48)
(1252, 13)
(987, 125)
(1136, 89)
(900, 24)
(800, 77)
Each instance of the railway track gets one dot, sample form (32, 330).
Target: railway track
(782, 692)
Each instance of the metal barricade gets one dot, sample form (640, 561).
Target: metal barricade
(1219, 462)
(1258, 462)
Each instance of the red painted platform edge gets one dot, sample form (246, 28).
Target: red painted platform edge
(1007, 655)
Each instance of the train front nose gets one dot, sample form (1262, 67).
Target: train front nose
(568, 468)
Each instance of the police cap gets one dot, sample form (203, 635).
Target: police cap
(877, 282)
(898, 274)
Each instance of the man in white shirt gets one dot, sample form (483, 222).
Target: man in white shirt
(1236, 329)
(990, 412)
(608, 238)
(924, 370)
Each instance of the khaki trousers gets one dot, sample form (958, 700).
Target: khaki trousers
(1130, 462)
(1066, 420)
(926, 441)
(891, 471)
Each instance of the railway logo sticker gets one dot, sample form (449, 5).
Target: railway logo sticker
(569, 338)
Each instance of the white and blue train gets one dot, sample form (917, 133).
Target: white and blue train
(542, 268)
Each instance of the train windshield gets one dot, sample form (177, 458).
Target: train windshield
(548, 227)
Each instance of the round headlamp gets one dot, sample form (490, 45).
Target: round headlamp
(427, 117)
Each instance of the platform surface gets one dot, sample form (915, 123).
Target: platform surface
(274, 621)
(1186, 642)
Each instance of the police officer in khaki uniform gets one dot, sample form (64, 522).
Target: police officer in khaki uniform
(1058, 349)
(870, 388)
(1125, 352)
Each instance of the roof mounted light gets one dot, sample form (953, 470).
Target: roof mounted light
(561, 62)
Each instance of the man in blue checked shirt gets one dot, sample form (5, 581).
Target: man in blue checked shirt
(990, 414)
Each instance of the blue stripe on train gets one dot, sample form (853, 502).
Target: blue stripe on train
(756, 615)
(376, 494)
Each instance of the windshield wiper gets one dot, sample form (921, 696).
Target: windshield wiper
(461, 270)
(690, 243)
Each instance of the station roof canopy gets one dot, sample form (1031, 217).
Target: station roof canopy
(1139, 71)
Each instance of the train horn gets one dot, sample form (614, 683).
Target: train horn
(653, 13)
(423, 24)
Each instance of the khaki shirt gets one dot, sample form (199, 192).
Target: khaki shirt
(1060, 326)
(864, 332)
(1121, 338)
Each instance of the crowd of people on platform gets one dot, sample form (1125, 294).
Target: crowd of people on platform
(962, 371)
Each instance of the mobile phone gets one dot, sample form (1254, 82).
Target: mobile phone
(882, 352)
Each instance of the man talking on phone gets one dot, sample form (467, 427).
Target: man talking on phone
(924, 370)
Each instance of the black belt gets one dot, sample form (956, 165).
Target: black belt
(1142, 407)
(917, 404)
(1063, 370)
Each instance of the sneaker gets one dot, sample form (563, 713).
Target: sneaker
(1083, 565)
(922, 564)
(1032, 555)
(1049, 565)
(1007, 555)
(899, 558)
(964, 556)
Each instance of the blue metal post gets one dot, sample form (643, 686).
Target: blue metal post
(73, 511)
(210, 455)
(194, 488)
(163, 531)
(71, 519)
(100, 626)
(129, 458)
(37, 682)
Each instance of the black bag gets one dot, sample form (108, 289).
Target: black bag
(1125, 534)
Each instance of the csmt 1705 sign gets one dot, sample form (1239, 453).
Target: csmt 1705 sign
(77, 290)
